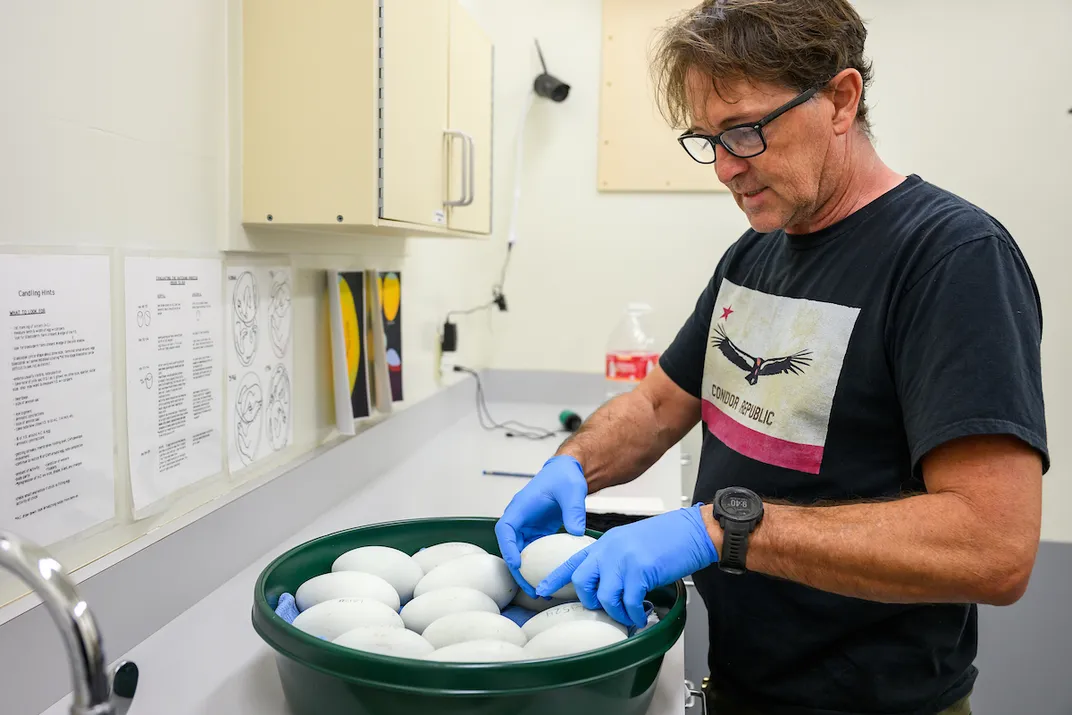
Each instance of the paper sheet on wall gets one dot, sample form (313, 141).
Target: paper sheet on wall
(391, 297)
(260, 362)
(349, 349)
(174, 364)
(56, 421)
(379, 379)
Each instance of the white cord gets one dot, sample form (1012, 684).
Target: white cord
(519, 152)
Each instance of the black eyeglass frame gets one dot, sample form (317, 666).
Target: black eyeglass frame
(716, 139)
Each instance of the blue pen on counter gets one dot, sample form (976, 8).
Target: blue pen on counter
(494, 473)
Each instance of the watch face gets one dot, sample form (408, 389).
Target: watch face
(739, 505)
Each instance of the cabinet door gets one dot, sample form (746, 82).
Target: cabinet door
(470, 114)
(415, 54)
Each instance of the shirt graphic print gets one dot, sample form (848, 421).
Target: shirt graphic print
(770, 372)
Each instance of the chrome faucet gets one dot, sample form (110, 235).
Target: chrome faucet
(96, 690)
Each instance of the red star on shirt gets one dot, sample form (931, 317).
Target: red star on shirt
(726, 312)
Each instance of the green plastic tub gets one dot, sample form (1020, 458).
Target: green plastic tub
(321, 678)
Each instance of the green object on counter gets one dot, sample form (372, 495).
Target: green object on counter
(570, 420)
(321, 678)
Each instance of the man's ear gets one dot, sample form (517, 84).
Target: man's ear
(845, 91)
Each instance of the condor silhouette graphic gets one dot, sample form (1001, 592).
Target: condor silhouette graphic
(758, 366)
(774, 409)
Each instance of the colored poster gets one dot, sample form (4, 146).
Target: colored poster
(391, 296)
(346, 298)
(377, 350)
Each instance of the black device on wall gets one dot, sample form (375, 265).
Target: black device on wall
(547, 86)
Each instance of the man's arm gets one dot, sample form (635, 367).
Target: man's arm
(630, 432)
(971, 538)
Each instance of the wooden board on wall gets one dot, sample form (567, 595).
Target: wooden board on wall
(638, 150)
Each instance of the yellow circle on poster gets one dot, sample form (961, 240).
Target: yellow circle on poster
(350, 330)
(391, 292)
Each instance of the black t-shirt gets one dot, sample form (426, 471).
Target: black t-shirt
(828, 365)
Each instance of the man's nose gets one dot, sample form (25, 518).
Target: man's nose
(728, 166)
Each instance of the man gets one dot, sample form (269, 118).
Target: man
(866, 363)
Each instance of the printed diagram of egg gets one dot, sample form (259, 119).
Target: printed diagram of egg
(394, 361)
(244, 302)
(279, 313)
(391, 294)
(279, 408)
(249, 412)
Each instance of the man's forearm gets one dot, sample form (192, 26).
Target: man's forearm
(619, 441)
(930, 548)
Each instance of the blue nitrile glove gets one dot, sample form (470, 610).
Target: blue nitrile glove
(287, 609)
(617, 571)
(553, 498)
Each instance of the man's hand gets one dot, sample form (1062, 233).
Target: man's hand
(554, 497)
(617, 571)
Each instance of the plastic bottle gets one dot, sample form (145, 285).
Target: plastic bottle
(631, 351)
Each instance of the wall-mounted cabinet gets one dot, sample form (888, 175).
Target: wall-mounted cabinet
(366, 116)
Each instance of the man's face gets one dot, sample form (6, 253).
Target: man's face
(780, 188)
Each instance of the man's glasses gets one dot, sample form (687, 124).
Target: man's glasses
(743, 140)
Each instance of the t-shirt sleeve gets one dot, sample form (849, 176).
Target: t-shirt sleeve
(683, 360)
(965, 349)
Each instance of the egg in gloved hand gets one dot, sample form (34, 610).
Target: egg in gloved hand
(546, 554)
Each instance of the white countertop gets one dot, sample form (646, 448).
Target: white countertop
(209, 661)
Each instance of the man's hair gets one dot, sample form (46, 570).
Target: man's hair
(797, 44)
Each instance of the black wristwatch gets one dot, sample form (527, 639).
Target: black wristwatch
(738, 511)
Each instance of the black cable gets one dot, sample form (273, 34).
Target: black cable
(498, 288)
(512, 427)
(477, 309)
(496, 291)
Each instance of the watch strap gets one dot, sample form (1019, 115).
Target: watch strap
(734, 546)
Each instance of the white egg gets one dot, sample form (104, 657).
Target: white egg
(395, 567)
(423, 610)
(564, 614)
(572, 637)
(473, 626)
(346, 584)
(478, 652)
(330, 619)
(386, 641)
(484, 572)
(433, 556)
(544, 555)
(538, 605)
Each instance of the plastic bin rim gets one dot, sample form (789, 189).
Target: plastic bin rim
(265, 621)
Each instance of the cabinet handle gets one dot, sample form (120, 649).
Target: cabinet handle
(467, 169)
(472, 168)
